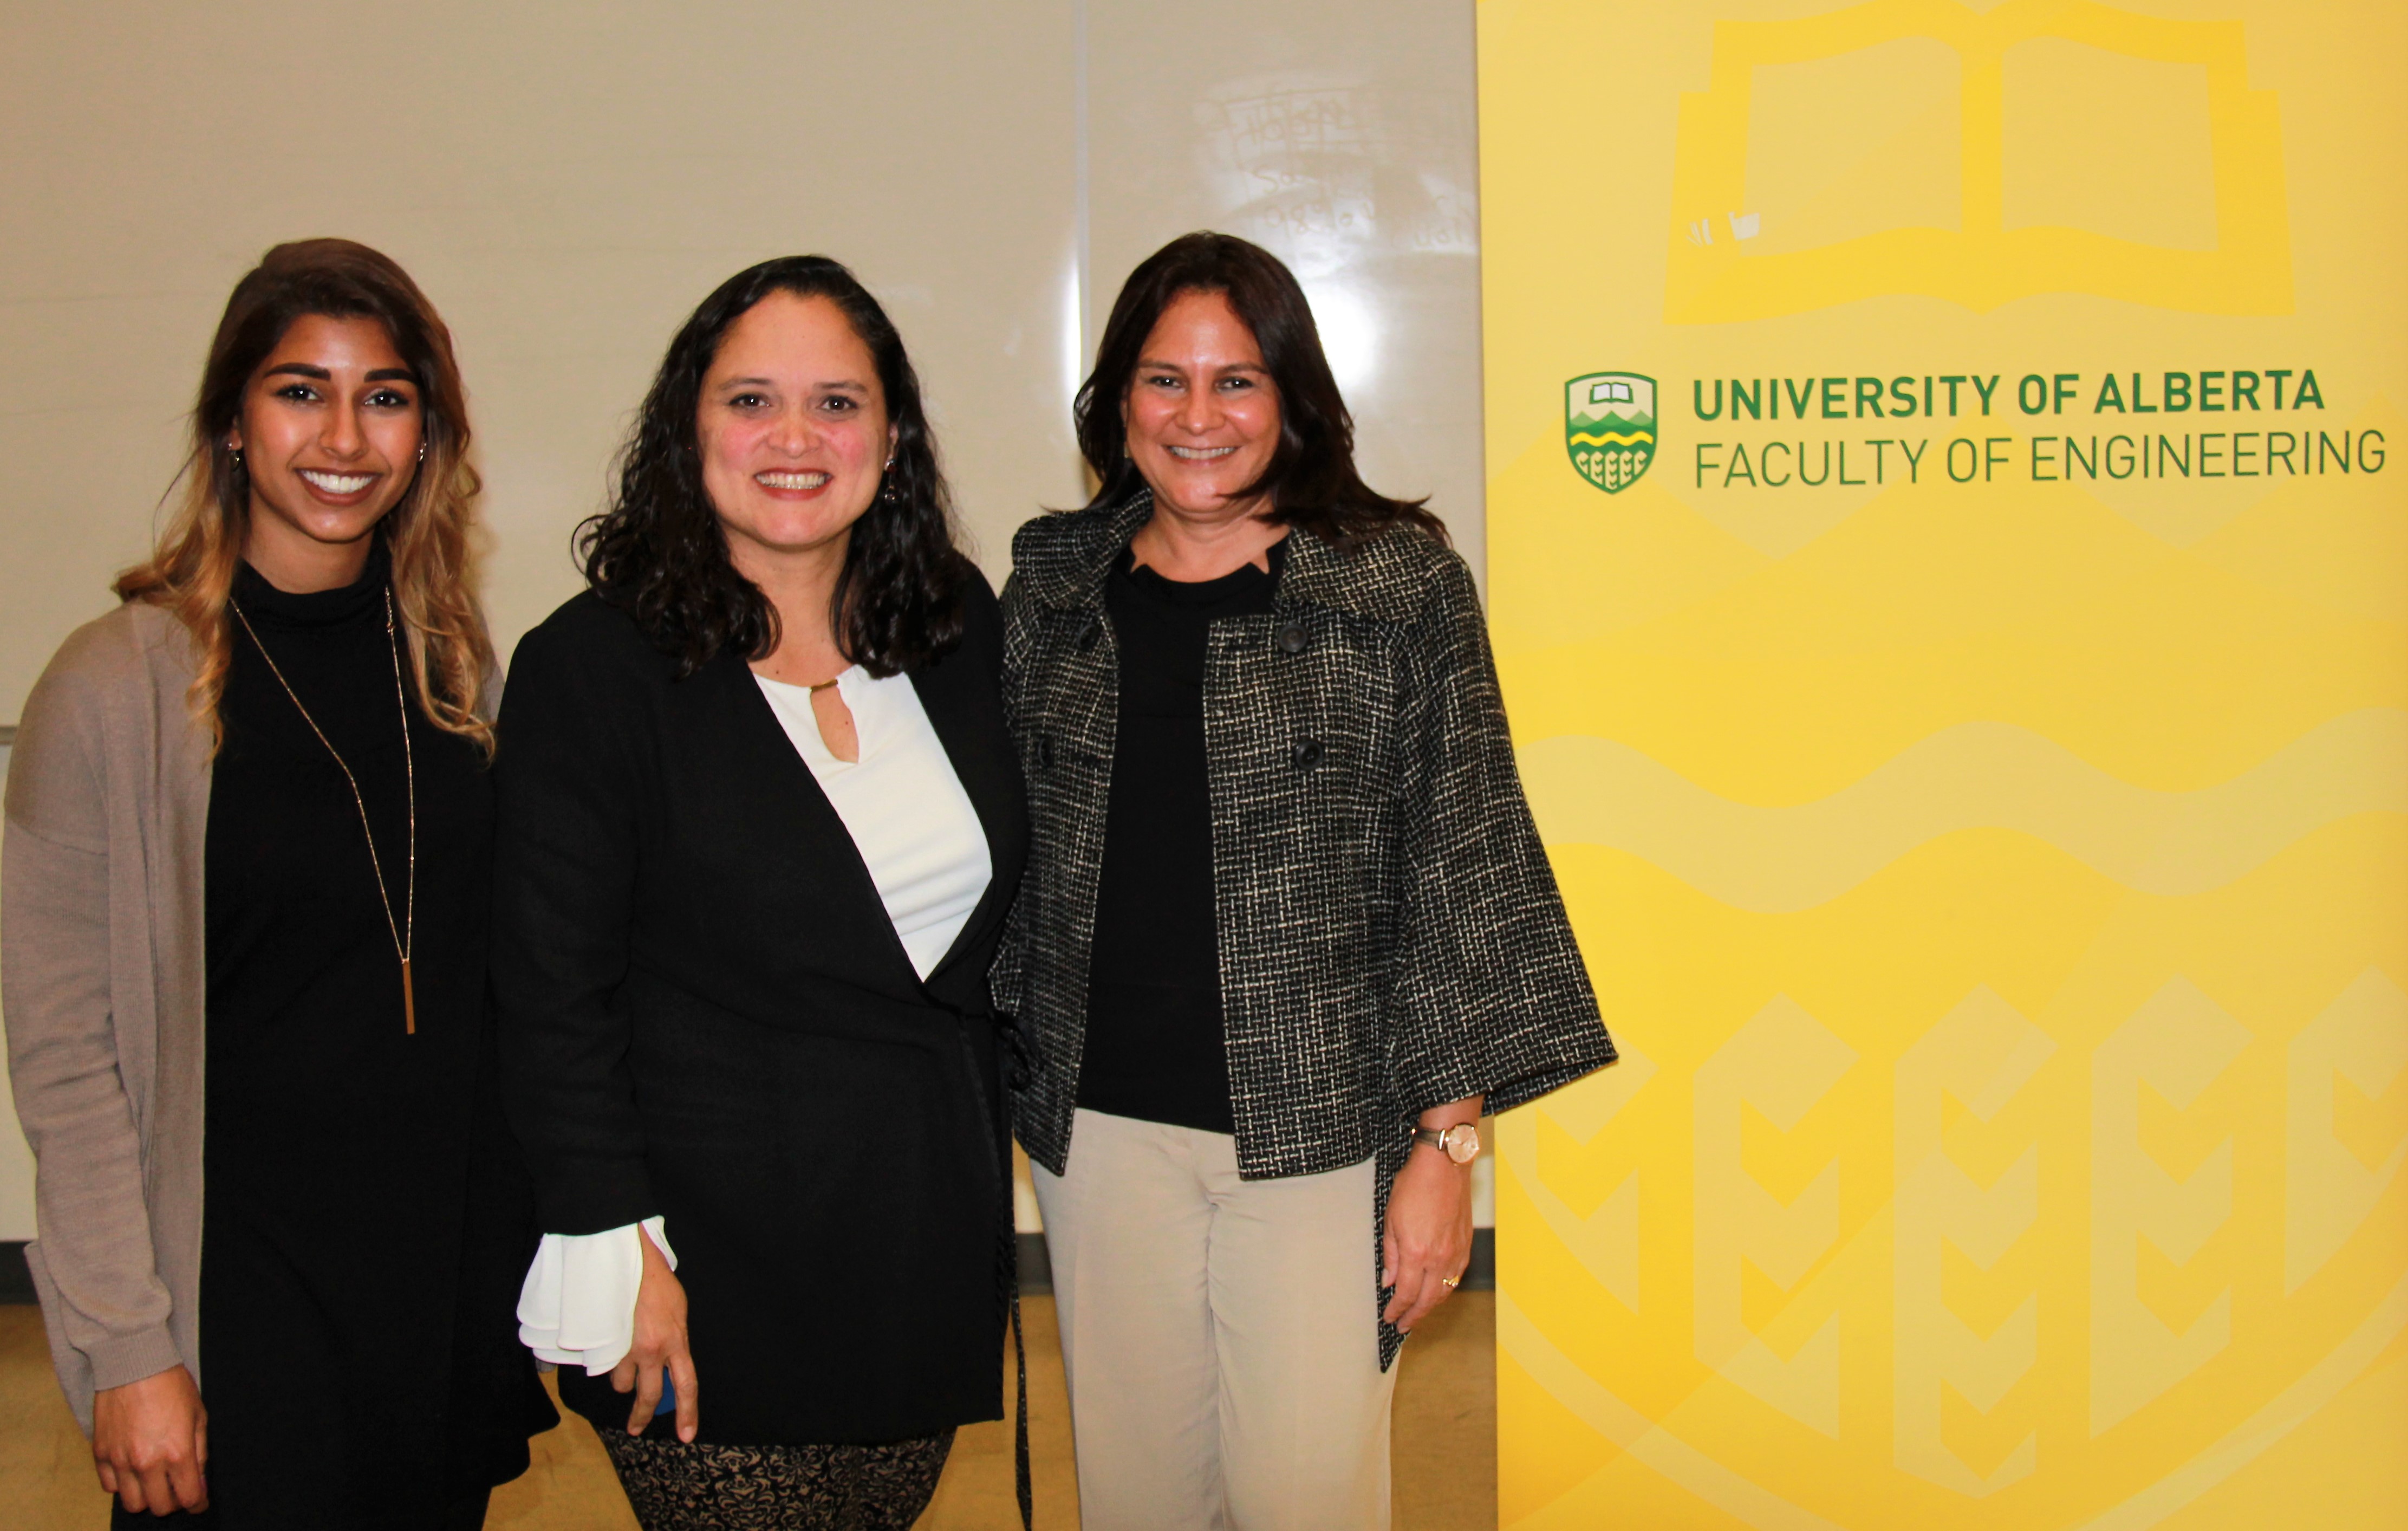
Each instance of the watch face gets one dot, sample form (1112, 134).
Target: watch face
(1462, 1141)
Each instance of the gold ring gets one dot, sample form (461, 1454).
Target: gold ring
(1449, 1282)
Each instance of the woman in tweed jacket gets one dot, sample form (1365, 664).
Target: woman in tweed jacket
(1286, 929)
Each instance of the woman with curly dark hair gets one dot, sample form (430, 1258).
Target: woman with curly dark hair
(759, 825)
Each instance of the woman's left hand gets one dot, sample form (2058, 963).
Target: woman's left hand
(661, 1343)
(1428, 1238)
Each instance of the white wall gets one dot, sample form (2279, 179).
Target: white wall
(1340, 135)
(567, 180)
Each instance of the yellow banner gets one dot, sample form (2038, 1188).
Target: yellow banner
(1952, 593)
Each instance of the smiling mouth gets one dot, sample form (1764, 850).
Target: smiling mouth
(339, 484)
(790, 481)
(1200, 453)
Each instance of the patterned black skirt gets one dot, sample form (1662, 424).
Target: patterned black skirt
(674, 1485)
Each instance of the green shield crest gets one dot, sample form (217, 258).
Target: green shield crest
(1610, 428)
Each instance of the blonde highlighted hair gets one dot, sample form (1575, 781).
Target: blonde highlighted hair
(191, 571)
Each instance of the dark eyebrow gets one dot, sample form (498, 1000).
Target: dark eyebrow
(845, 383)
(1151, 364)
(307, 370)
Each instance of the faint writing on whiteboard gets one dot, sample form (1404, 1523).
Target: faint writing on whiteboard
(1316, 170)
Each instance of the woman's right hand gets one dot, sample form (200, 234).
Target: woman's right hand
(660, 1341)
(150, 1443)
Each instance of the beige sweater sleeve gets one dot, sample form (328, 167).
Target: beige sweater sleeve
(94, 1252)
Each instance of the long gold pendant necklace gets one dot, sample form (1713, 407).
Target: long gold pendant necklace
(404, 930)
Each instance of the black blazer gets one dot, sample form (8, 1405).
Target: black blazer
(706, 1013)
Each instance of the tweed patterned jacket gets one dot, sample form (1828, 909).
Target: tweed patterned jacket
(1391, 937)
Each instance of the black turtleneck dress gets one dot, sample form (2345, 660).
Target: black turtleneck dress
(366, 1216)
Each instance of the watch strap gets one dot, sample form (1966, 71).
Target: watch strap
(1436, 1138)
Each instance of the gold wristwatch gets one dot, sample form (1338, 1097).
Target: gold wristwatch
(1460, 1142)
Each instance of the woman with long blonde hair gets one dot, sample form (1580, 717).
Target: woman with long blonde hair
(243, 926)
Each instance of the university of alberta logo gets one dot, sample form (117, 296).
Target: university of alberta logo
(1610, 428)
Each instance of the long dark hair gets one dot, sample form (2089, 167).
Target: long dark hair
(1311, 477)
(659, 554)
(429, 531)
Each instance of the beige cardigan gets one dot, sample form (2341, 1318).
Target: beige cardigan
(102, 982)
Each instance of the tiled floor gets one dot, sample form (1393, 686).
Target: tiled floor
(1445, 1449)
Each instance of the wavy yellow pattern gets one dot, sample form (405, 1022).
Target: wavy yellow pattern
(1930, 609)
(1610, 438)
(1597, 792)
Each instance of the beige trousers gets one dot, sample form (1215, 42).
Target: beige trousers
(1223, 1367)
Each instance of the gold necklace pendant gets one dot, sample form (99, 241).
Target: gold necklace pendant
(404, 930)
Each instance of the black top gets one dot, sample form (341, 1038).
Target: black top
(1390, 932)
(366, 1218)
(707, 1015)
(1154, 1046)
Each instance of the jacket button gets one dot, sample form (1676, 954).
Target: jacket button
(1293, 638)
(1305, 755)
(1045, 753)
(1092, 634)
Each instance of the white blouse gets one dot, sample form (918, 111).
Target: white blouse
(904, 808)
(925, 849)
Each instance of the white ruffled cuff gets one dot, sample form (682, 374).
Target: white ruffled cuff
(577, 1306)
